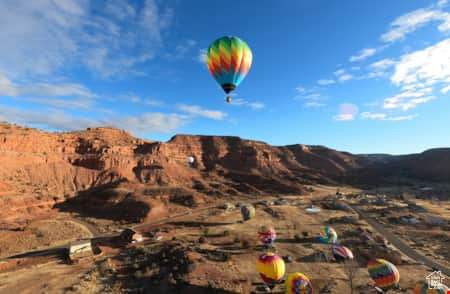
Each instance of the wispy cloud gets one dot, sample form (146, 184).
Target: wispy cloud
(445, 89)
(195, 110)
(139, 100)
(342, 75)
(8, 88)
(347, 112)
(408, 99)
(314, 104)
(382, 64)
(411, 21)
(202, 55)
(243, 102)
(325, 82)
(363, 54)
(110, 42)
(383, 116)
(183, 49)
(59, 120)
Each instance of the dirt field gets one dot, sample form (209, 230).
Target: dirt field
(41, 234)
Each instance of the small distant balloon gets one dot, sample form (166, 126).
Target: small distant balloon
(267, 235)
(247, 211)
(328, 235)
(191, 160)
(298, 283)
(342, 253)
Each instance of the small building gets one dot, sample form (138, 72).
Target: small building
(131, 236)
(80, 249)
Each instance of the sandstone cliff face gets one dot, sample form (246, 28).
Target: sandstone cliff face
(39, 170)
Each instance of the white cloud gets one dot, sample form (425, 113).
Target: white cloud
(243, 102)
(411, 21)
(64, 103)
(41, 37)
(383, 116)
(339, 72)
(370, 115)
(363, 54)
(199, 111)
(345, 77)
(382, 64)
(59, 120)
(325, 82)
(8, 88)
(138, 100)
(313, 96)
(347, 112)
(202, 56)
(314, 104)
(408, 99)
(355, 68)
(445, 89)
(429, 66)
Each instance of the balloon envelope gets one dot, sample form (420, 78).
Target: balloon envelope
(298, 283)
(422, 287)
(270, 267)
(383, 273)
(267, 235)
(328, 235)
(229, 59)
(248, 211)
(341, 253)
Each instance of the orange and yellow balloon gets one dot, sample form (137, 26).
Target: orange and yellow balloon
(298, 283)
(271, 268)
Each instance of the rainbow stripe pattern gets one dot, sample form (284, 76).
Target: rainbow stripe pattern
(422, 287)
(383, 273)
(328, 235)
(298, 283)
(229, 60)
(270, 267)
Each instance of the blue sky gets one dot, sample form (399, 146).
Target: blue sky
(359, 76)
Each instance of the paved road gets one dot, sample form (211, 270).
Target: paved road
(400, 244)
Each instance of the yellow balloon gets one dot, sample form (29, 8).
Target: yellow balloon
(271, 267)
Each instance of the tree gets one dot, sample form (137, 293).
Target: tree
(350, 270)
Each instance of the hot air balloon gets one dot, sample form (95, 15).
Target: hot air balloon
(422, 287)
(229, 60)
(383, 273)
(191, 160)
(271, 267)
(298, 283)
(328, 235)
(341, 253)
(248, 211)
(267, 235)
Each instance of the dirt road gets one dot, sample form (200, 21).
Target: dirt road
(400, 244)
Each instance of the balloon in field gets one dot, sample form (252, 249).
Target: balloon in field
(298, 283)
(271, 268)
(229, 60)
(267, 235)
(247, 211)
(328, 235)
(422, 287)
(342, 253)
(383, 273)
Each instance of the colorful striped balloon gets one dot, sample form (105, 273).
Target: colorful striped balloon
(383, 273)
(267, 235)
(298, 283)
(422, 287)
(229, 59)
(271, 267)
(328, 235)
(342, 253)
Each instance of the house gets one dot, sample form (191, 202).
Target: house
(80, 249)
(131, 236)
(435, 280)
